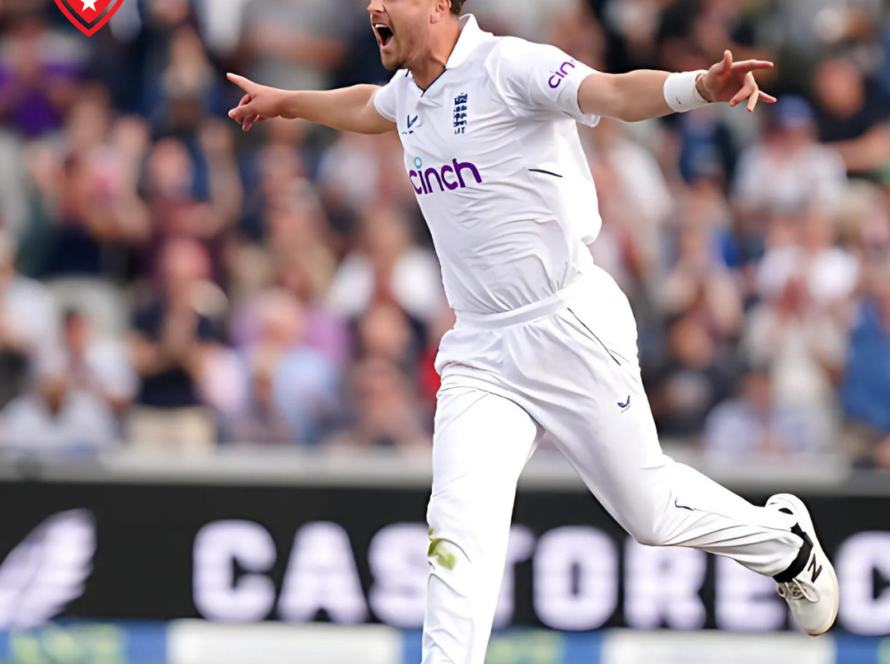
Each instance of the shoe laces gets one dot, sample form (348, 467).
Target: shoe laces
(795, 590)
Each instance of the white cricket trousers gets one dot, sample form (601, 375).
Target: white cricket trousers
(567, 365)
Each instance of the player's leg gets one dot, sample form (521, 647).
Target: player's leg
(603, 423)
(482, 442)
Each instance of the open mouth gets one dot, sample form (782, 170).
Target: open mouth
(384, 34)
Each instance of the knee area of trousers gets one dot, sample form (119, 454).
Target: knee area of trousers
(650, 535)
(444, 553)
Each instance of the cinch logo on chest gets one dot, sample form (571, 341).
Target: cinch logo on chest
(448, 177)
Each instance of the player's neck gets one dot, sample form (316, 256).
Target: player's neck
(426, 72)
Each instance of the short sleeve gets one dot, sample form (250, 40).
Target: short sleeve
(537, 79)
(385, 98)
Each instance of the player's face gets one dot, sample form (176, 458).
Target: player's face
(402, 28)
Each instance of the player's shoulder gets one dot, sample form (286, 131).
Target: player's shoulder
(516, 50)
(515, 58)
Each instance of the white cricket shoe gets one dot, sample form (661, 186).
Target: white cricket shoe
(814, 594)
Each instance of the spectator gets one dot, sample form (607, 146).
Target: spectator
(56, 417)
(361, 63)
(306, 383)
(38, 75)
(307, 276)
(279, 166)
(530, 19)
(168, 343)
(187, 89)
(296, 44)
(693, 380)
(702, 281)
(803, 346)
(178, 207)
(356, 174)
(808, 27)
(636, 195)
(568, 25)
(866, 387)
(753, 425)
(98, 366)
(829, 273)
(789, 170)
(385, 331)
(302, 274)
(29, 324)
(387, 266)
(261, 421)
(387, 412)
(853, 120)
(294, 386)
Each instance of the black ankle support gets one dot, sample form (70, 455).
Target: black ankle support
(803, 556)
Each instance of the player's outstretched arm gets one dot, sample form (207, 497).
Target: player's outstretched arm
(645, 94)
(348, 109)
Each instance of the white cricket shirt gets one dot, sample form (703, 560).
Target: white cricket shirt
(493, 153)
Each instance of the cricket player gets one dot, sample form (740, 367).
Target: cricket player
(544, 340)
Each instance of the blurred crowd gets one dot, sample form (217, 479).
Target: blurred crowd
(169, 282)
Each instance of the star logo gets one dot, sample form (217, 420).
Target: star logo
(89, 16)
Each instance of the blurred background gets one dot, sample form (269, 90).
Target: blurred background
(216, 349)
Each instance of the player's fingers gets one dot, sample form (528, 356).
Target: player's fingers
(748, 89)
(245, 100)
(727, 60)
(752, 65)
(245, 84)
(251, 121)
(753, 99)
(767, 99)
(242, 112)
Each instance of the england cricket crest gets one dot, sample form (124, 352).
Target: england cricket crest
(459, 115)
(89, 16)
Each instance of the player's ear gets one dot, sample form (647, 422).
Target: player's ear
(441, 10)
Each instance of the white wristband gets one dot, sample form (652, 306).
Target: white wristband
(681, 93)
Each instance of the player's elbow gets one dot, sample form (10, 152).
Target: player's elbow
(626, 107)
(627, 112)
(605, 95)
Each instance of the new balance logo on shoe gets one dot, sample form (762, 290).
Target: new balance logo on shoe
(814, 569)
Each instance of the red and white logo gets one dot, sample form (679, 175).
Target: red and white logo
(89, 16)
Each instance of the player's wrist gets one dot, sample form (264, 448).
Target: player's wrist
(702, 88)
(684, 91)
(288, 106)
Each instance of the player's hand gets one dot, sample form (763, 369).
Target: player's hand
(734, 82)
(258, 104)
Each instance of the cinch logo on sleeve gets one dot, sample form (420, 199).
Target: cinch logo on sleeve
(556, 80)
(453, 176)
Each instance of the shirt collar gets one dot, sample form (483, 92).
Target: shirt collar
(471, 36)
